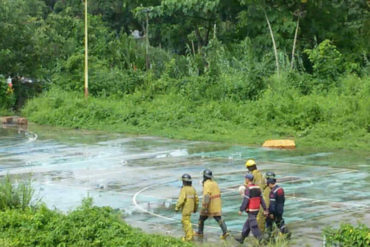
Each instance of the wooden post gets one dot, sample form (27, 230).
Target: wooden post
(86, 55)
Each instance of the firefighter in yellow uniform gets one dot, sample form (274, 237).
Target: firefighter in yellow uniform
(211, 205)
(188, 203)
(260, 181)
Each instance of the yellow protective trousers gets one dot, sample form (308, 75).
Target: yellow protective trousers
(186, 225)
(261, 220)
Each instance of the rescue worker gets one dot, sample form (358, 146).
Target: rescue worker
(266, 196)
(188, 203)
(276, 208)
(211, 205)
(260, 181)
(251, 204)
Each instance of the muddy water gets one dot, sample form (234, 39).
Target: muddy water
(139, 175)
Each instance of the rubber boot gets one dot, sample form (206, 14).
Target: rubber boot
(223, 226)
(224, 236)
(199, 233)
(240, 239)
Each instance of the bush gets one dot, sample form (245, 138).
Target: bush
(15, 196)
(103, 81)
(327, 61)
(88, 225)
(348, 235)
(339, 118)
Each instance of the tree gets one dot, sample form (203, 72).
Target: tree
(19, 19)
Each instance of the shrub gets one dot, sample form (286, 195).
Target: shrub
(327, 61)
(348, 235)
(103, 81)
(15, 196)
(88, 225)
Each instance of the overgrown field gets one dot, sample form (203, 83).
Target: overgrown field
(336, 119)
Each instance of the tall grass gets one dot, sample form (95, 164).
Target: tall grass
(15, 195)
(335, 119)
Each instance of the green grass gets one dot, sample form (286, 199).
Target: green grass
(15, 195)
(5, 112)
(338, 119)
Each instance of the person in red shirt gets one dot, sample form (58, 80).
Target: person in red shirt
(251, 204)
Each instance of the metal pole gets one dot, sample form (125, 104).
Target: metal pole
(86, 55)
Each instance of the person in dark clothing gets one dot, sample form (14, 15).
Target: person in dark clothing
(251, 204)
(276, 208)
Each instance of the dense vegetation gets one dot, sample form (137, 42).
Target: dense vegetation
(238, 71)
(348, 235)
(24, 223)
(316, 120)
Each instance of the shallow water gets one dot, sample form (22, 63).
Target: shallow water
(140, 175)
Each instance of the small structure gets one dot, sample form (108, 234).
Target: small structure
(14, 121)
(286, 144)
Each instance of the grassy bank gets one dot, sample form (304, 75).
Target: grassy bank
(88, 225)
(26, 223)
(337, 119)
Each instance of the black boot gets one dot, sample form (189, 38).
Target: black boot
(240, 239)
(199, 233)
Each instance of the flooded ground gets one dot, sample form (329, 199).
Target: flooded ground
(140, 175)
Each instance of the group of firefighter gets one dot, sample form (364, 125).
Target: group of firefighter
(262, 199)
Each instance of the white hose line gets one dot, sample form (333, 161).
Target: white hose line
(134, 200)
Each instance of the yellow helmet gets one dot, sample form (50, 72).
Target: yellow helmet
(250, 163)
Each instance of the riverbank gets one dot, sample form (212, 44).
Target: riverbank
(332, 121)
(25, 222)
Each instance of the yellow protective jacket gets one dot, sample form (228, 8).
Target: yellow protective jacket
(266, 196)
(211, 204)
(258, 179)
(188, 200)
